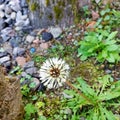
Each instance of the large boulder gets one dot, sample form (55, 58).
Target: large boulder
(44, 13)
(11, 107)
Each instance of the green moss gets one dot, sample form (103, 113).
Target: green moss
(61, 3)
(28, 1)
(53, 1)
(58, 12)
(50, 16)
(47, 2)
(87, 70)
(34, 6)
(75, 11)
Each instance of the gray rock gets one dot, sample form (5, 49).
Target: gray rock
(20, 61)
(2, 6)
(1, 50)
(6, 30)
(4, 59)
(25, 11)
(25, 82)
(56, 31)
(23, 4)
(2, 24)
(24, 17)
(7, 47)
(27, 29)
(7, 15)
(8, 10)
(18, 28)
(30, 38)
(24, 74)
(2, 14)
(118, 78)
(47, 36)
(5, 37)
(36, 82)
(31, 70)
(15, 41)
(14, 6)
(19, 23)
(9, 21)
(108, 71)
(28, 65)
(18, 15)
(17, 51)
(41, 87)
(2, 1)
(27, 22)
(67, 96)
(2, 54)
(13, 15)
(7, 64)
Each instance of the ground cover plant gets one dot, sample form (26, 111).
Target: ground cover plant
(100, 44)
(94, 98)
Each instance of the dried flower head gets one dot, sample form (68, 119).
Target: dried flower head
(54, 72)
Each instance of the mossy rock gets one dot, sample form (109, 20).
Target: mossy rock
(87, 70)
(34, 6)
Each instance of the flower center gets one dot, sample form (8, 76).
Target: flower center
(54, 72)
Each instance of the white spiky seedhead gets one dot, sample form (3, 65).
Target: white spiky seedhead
(54, 72)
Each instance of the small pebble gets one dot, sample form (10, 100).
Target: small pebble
(32, 50)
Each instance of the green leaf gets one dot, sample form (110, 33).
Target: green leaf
(112, 47)
(102, 12)
(104, 53)
(42, 118)
(116, 13)
(83, 57)
(86, 89)
(110, 42)
(34, 97)
(39, 104)
(111, 58)
(111, 93)
(112, 35)
(70, 92)
(109, 115)
(32, 85)
(107, 17)
(30, 108)
(116, 56)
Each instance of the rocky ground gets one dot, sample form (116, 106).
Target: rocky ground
(18, 40)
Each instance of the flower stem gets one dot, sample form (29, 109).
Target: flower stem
(79, 92)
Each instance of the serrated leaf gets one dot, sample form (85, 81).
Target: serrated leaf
(112, 35)
(111, 93)
(112, 47)
(109, 114)
(85, 88)
(107, 17)
(70, 92)
(104, 53)
(111, 58)
(110, 42)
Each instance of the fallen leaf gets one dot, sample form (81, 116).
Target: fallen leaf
(95, 15)
(91, 25)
